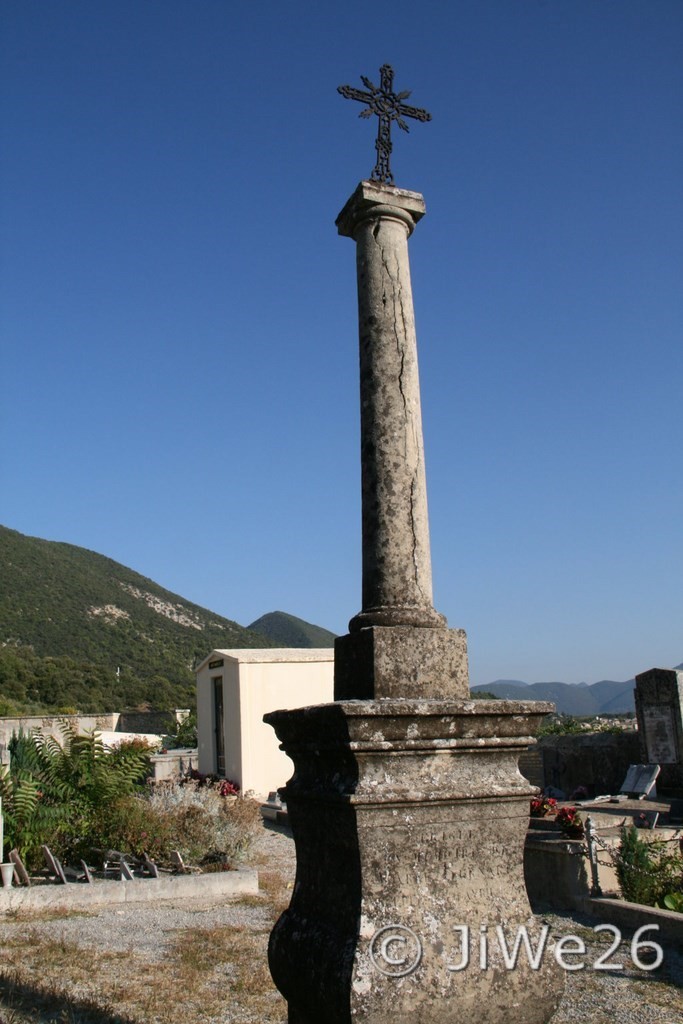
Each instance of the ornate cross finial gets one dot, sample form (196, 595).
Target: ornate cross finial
(388, 106)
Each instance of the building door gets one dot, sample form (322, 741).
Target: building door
(218, 724)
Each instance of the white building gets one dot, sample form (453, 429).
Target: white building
(235, 689)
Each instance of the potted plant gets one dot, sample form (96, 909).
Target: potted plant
(570, 822)
(542, 805)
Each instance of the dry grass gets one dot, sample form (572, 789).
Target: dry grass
(205, 976)
(49, 914)
(202, 974)
(219, 975)
(276, 889)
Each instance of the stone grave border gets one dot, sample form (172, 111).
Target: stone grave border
(79, 896)
(629, 917)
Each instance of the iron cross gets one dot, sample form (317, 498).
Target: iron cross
(388, 106)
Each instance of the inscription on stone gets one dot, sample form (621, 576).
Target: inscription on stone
(443, 854)
(660, 735)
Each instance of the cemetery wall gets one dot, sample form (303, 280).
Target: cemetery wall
(597, 761)
(114, 726)
(161, 723)
(53, 725)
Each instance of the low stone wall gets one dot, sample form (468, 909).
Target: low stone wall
(598, 760)
(162, 723)
(80, 895)
(629, 917)
(555, 872)
(148, 725)
(53, 725)
(174, 764)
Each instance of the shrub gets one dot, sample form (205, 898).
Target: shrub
(141, 750)
(203, 824)
(647, 872)
(672, 901)
(131, 825)
(185, 734)
(78, 797)
(559, 725)
(52, 792)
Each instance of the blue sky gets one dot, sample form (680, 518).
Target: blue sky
(179, 384)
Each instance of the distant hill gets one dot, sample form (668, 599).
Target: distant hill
(82, 631)
(605, 697)
(287, 631)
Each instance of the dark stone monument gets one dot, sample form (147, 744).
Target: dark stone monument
(408, 810)
(659, 710)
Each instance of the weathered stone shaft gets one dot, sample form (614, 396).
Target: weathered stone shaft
(397, 575)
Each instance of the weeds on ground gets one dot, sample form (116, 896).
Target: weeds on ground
(22, 1003)
(202, 973)
(48, 914)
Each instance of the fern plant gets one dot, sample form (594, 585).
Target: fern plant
(53, 791)
(29, 821)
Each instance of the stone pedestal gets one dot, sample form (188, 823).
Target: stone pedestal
(409, 818)
(400, 661)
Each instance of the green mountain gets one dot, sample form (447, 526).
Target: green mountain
(287, 631)
(80, 631)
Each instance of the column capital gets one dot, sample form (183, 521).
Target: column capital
(375, 199)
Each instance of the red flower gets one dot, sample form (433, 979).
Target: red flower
(228, 788)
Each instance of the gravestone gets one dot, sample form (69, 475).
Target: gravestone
(19, 868)
(640, 781)
(54, 866)
(659, 710)
(531, 767)
(407, 808)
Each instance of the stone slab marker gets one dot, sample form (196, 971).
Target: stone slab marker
(408, 810)
(659, 710)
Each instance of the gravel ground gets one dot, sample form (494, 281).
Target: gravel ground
(630, 996)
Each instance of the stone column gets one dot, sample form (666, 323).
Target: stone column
(398, 643)
(397, 570)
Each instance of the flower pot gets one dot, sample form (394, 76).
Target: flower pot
(7, 875)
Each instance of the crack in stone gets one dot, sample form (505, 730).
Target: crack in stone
(413, 484)
(394, 278)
